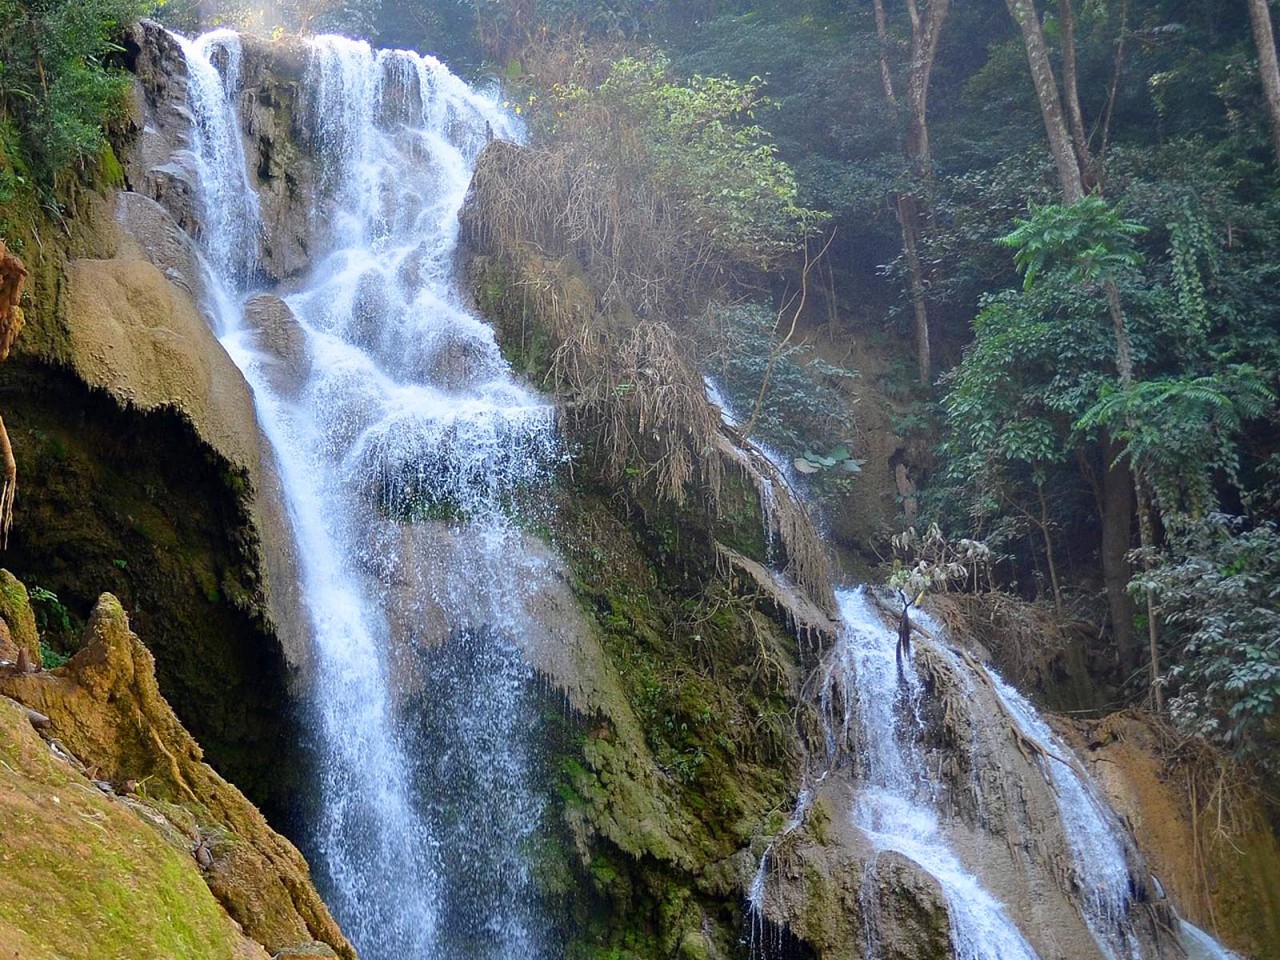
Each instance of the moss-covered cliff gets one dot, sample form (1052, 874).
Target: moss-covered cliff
(119, 840)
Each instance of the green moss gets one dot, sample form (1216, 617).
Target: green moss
(87, 878)
(110, 172)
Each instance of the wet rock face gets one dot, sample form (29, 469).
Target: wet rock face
(276, 149)
(158, 160)
(158, 163)
(281, 340)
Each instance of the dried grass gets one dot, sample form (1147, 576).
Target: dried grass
(598, 261)
(1023, 638)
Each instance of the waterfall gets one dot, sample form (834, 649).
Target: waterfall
(400, 454)
(1099, 846)
(894, 806)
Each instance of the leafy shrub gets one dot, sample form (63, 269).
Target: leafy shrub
(1218, 584)
(57, 87)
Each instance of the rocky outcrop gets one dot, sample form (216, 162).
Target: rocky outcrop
(1208, 836)
(89, 873)
(18, 637)
(280, 340)
(105, 708)
(136, 336)
(277, 141)
(13, 276)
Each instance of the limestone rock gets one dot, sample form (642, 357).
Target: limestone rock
(161, 241)
(277, 150)
(85, 876)
(1219, 862)
(17, 622)
(106, 707)
(142, 340)
(281, 339)
(13, 276)
(158, 162)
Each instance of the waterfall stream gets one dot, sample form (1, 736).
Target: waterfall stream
(895, 806)
(404, 414)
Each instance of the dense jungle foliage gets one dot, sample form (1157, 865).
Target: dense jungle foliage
(1056, 222)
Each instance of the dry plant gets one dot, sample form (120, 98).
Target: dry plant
(1023, 637)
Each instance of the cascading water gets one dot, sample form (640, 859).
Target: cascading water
(894, 806)
(402, 448)
(1098, 845)
(406, 417)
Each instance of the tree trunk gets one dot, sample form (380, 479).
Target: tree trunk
(1028, 20)
(1117, 527)
(882, 36)
(1265, 40)
(1147, 537)
(909, 222)
(1048, 550)
(1071, 93)
(925, 34)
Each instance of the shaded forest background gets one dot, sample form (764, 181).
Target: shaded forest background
(1053, 225)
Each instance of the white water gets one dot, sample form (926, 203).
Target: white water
(1200, 946)
(1100, 863)
(425, 806)
(895, 803)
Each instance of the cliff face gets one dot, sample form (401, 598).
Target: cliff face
(119, 839)
(142, 466)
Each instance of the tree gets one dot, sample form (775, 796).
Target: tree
(1027, 18)
(56, 85)
(926, 31)
(1218, 582)
(1264, 39)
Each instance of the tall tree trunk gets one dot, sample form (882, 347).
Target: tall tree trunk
(909, 223)
(925, 34)
(882, 36)
(1264, 39)
(1028, 21)
(1117, 528)
(1146, 524)
(1071, 93)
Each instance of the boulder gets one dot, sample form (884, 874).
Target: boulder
(281, 339)
(17, 622)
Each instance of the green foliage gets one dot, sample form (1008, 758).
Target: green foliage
(700, 146)
(1183, 432)
(58, 90)
(802, 409)
(1218, 585)
(1086, 240)
(52, 615)
(57, 630)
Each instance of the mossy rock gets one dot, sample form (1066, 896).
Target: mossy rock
(19, 621)
(85, 878)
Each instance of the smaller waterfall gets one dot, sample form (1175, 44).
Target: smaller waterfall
(1097, 841)
(1200, 946)
(894, 806)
